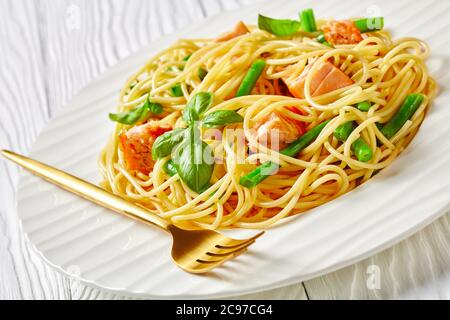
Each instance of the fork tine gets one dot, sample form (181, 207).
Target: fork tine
(225, 253)
(207, 265)
(233, 243)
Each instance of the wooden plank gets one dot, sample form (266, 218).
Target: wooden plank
(417, 268)
(24, 112)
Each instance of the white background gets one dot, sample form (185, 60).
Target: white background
(49, 50)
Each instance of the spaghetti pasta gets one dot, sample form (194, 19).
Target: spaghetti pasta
(381, 71)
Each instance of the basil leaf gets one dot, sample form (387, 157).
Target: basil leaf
(164, 144)
(197, 106)
(206, 187)
(155, 108)
(279, 27)
(194, 161)
(132, 116)
(169, 168)
(137, 114)
(221, 118)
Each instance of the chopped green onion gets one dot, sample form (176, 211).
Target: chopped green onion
(308, 20)
(370, 24)
(364, 106)
(251, 77)
(187, 57)
(176, 91)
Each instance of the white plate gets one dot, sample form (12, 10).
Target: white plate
(115, 253)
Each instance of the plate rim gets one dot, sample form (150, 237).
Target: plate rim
(219, 295)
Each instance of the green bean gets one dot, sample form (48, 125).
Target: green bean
(369, 24)
(250, 78)
(360, 148)
(308, 20)
(259, 174)
(344, 130)
(301, 143)
(364, 106)
(176, 90)
(407, 110)
(321, 38)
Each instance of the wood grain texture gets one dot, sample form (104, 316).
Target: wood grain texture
(49, 50)
(417, 268)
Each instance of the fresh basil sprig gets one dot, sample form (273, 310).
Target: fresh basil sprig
(221, 118)
(137, 114)
(279, 27)
(197, 106)
(130, 117)
(194, 161)
(164, 144)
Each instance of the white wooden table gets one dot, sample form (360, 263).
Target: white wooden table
(49, 50)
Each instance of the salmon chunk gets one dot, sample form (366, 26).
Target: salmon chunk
(137, 143)
(326, 78)
(335, 80)
(239, 30)
(342, 32)
(276, 131)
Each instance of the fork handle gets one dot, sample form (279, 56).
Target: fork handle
(87, 190)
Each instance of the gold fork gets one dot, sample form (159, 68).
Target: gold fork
(195, 251)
